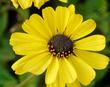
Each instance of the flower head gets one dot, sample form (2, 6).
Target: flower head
(28, 3)
(58, 44)
(24, 4)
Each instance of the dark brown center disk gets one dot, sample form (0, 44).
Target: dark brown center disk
(60, 45)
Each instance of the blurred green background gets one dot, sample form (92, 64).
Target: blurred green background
(11, 20)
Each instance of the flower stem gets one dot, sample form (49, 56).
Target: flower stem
(25, 81)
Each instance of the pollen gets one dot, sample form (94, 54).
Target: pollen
(60, 46)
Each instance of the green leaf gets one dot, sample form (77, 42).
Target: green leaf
(6, 52)
(3, 22)
(72, 1)
(6, 80)
(28, 80)
(23, 14)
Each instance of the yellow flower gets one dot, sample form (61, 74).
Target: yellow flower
(57, 44)
(28, 3)
(63, 0)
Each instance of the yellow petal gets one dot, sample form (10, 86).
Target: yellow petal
(62, 16)
(75, 84)
(84, 72)
(52, 71)
(24, 44)
(95, 60)
(39, 26)
(57, 83)
(50, 18)
(92, 43)
(15, 3)
(39, 3)
(20, 71)
(42, 67)
(64, 1)
(39, 63)
(18, 65)
(84, 29)
(71, 9)
(30, 30)
(25, 3)
(73, 24)
(67, 72)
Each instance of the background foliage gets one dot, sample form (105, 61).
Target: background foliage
(11, 20)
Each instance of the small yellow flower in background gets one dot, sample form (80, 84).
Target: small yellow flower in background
(64, 1)
(28, 3)
(57, 44)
